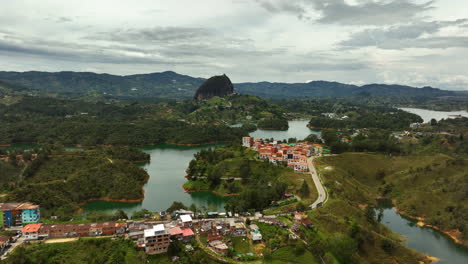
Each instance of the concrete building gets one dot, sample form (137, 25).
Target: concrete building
(156, 240)
(17, 214)
(31, 231)
(247, 142)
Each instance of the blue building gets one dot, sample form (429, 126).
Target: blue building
(16, 214)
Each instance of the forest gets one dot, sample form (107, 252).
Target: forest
(61, 181)
(237, 170)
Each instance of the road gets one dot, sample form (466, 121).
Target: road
(13, 246)
(322, 194)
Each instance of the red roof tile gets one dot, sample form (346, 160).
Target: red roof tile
(187, 232)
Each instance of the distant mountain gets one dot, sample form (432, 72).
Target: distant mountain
(172, 85)
(215, 86)
(165, 84)
(336, 89)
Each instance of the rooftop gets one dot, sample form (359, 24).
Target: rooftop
(175, 231)
(186, 218)
(31, 228)
(187, 232)
(156, 230)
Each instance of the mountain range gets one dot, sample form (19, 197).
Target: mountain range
(172, 85)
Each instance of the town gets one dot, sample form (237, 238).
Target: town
(294, 155)
(152, 236)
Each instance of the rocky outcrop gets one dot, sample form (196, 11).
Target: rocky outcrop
(215, 86)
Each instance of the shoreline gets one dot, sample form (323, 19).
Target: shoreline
(269, 128)
(452, 234)
(210, 191)
(111, 145)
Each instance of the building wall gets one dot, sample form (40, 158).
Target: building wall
(8, 218)
(157, 244)
(30, 216)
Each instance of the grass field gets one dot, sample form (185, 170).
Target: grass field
(241, 244)
(288, 255)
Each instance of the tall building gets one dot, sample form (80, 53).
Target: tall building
(156, 240)
(16, 214)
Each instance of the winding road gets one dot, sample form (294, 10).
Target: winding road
(322, 194)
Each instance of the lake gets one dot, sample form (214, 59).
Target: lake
(427, 115)
(297, 129)
(167, 170)
(423, 239)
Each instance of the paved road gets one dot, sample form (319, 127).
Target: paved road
(322, 194)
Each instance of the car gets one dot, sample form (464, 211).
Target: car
(13, 240)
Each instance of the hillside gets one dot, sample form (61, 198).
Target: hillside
(432, 188)
(176, 86)
(62, 181)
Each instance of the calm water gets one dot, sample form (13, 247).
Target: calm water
(167, 171)
(427, 115)
(423, 239)
(297, 129)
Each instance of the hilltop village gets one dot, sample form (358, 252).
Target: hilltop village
(294, 155)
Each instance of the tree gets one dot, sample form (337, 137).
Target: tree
(370, 214)
(433, 122)
(304, 190)
(143, 213)
(176, 206)
(193, 208)
(301, 207)
(120, 214)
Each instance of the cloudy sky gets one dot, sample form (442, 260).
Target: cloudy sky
(413, 42)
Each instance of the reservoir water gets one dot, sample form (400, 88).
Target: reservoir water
(167, 170)
(423, 239)
(427, 115)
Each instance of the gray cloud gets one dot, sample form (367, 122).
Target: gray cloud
(156, 34)
(284, 7)
(365, 12)
(414, 35)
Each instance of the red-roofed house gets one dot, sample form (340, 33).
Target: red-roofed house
(176, 233)
(187, 234)
(31, 231)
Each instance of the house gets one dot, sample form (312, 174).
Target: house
(298, 216)
(31, 231)
(4, 242)
(176, 233)
(186, 220)
(17, 214)
(137, 235)
(307, 222)
(239, 229)
(247, 142)
(256, 236)
(156, 240)
(29, 213)
(219, 247)
(187, 234)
